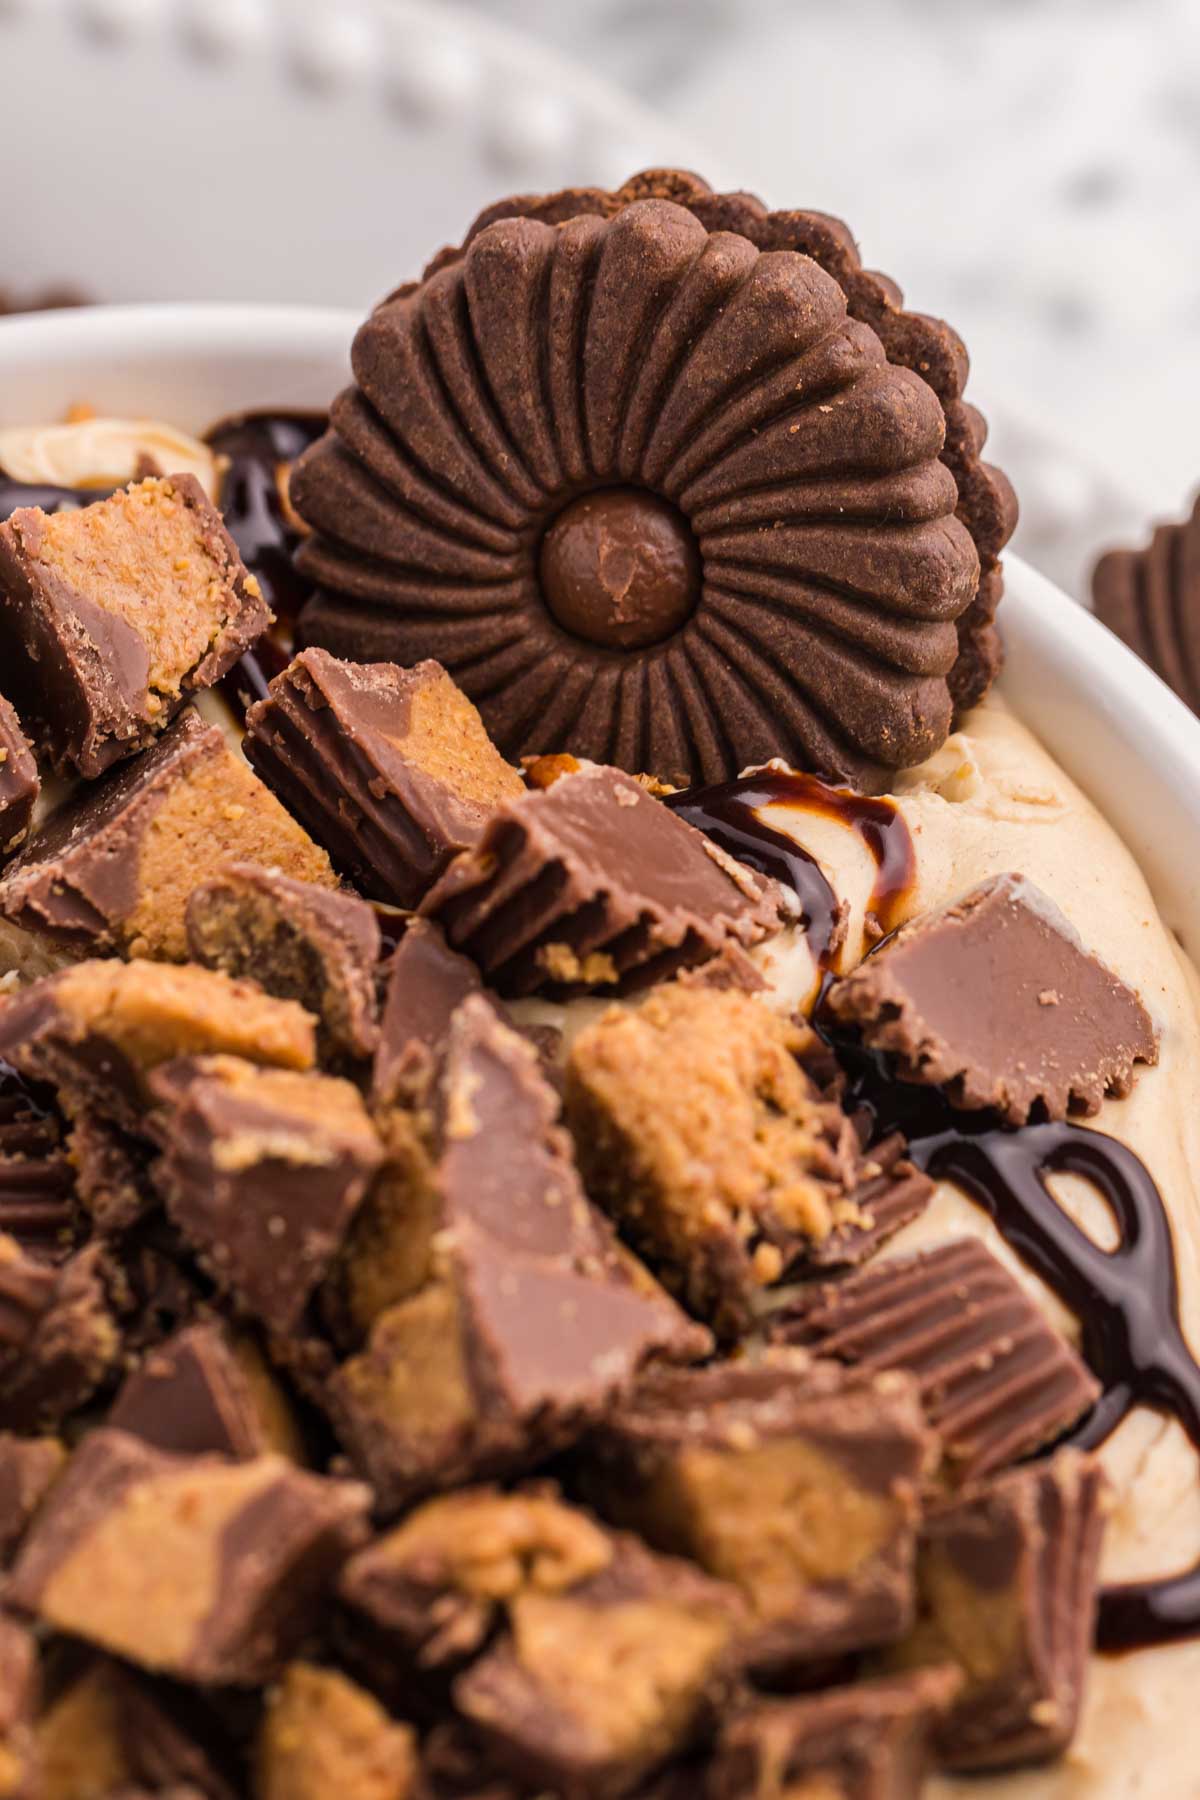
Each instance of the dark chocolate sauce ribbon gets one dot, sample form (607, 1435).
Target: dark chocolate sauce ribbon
(1126, 1299)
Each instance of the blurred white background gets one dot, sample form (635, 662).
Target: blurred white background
(1030, 169)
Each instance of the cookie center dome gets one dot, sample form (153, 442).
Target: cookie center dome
(620, 568)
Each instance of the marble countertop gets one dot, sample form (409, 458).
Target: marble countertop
(1028, 169)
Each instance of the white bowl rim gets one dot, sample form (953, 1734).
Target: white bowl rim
(1115, 727)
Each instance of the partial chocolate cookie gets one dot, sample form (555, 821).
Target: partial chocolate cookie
(190, 1566)
(697, 1129)
(929, 347)
(995, 999)
(1151, 599)
(997, 1381)
(323, 1736)
(115, 612)
(262, 1171)
(499, 1316)
(687, 515)
(112, 871)
(1007, 1586)
(299, 942)
(593, 884)
(870, 1741)
(797, 1484)
(20, 784)
(390, 769)
(97, 1030)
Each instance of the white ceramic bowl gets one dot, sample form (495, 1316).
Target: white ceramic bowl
(1109, 720)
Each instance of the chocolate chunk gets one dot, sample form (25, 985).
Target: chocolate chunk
(112, 1172)
(793, 1482)
(697, 1129)
(19, 781)
(591, 883)
(323, 1736)
(997, 1380)
(59, 1340)
(28, 1466)
(115, 612)
(437, 1585)
(1151, 599)
(994, 998)
(426, 982)
(19, 1692)
(262, 1171)
(299, 942)
(1007, 1591)
(189, 1566)
(593, 1687)
(865, 1742)
(687, 516)
(389, 768)
(97, 1030)
(500, 1316)
(206, 1391)
(113, 869)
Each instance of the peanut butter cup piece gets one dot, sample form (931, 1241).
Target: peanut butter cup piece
(206, 1391)
(994, 999)
(262, 1171)
(997, 1381)
(869, 1741)
(81, 1739)
(111, 1169)
(795, 1483)
(20, 784)
(1007, 1592)
(299, 942)
(1151, 599)
(593, 883)
(97, 1030)
(28, 1468)
(115, 612)
(390, 769)
(425, 983)
(687, 515)
(112, 871)
(500, 1317)
(20, 1686)
(202, 1569)
(698, 1130)
(592, 1688)
(322, 1735)
(60, 1341)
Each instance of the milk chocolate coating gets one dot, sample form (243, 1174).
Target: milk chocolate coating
(646, 355)
(994, 998)
(19, 781)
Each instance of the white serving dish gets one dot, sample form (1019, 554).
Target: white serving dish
(314, 150)
(1111, 723)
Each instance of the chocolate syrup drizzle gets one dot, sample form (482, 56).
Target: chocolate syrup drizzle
(256, 446)
(1125, 1299)
(729, 814)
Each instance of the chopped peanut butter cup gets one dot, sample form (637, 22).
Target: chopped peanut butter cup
(652, 496)
(996, 1379)
(698, 1130)
(114, 868)
(795, 1483)
(207, 1391)
(995, 999)
(390, 769)
(29, 1466)
(114, 613)
(20, 1765)
(324, 1736)
(19, 781)
(1151, 599)
(190, 1566)
(1007, 1591)
(593, 883)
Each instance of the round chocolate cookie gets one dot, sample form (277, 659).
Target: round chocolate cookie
(651, 495)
